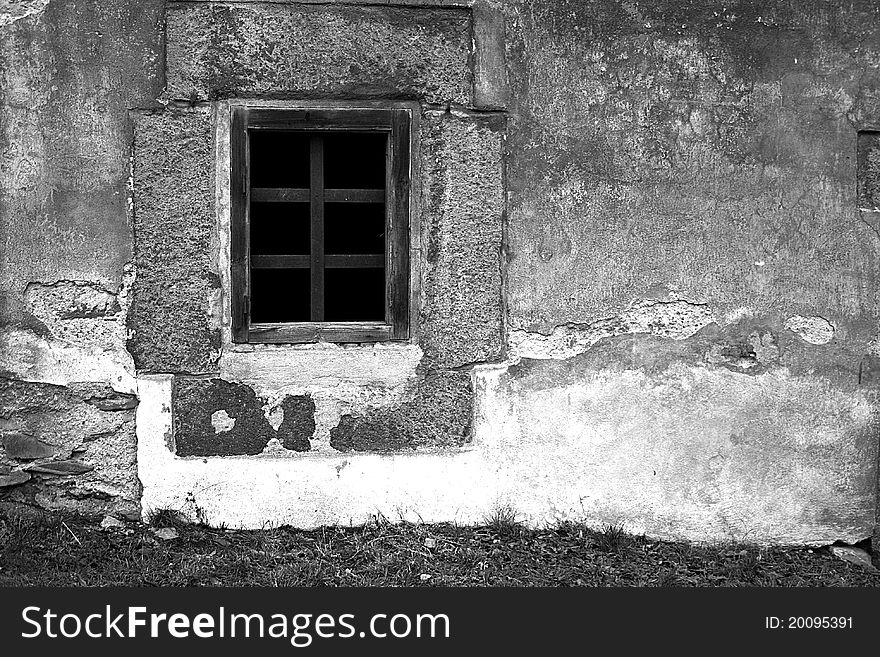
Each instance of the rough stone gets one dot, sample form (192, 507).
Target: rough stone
(173, 174)
(64, 417)
(852, 555)
(165, 533)
(18, 9)
(25, 397)
(14, 479)
(437, 414)
(305, 51)
(22, 446)
(463, 206)
(61, 468)
(115, 402)
(111, 522)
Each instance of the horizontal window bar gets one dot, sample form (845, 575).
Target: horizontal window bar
(343, 261)
(297, 195)
(320, 332)
(314, 118)
(354, 195)
(280, 261)
(279, 195)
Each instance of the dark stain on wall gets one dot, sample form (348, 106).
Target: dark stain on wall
(437, 414)
(298, 424)
(195, 400)
(242, 427)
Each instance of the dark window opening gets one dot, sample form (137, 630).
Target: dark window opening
(320, 225)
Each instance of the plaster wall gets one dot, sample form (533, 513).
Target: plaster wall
(647, 243)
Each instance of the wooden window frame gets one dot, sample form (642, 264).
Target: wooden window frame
(397, 123)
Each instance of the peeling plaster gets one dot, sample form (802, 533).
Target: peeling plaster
(815, 330)
(80, 313)
(31, 357)
(677, 319)
(350, 379)
(597, 446)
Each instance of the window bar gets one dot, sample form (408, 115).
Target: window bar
(316, 149)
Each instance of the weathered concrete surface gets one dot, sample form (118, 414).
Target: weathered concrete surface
(437, 413)
(676, 318)
(586, 445)
(339, 379)
(699, 453)
(463, 204)
(307, 490)
(174, 226)
(213, 417)
(76, 333)
(76, 442)
(222, 51)
(868, 174)
(689, 171)
(68, 73)
(684, 247)
(707, 149)
(31, 357)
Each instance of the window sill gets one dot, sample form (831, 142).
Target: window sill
(305, 332)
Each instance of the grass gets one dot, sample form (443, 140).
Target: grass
(69, 550)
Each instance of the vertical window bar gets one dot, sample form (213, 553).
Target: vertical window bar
(240, 186)
(398, 306)
(316, 198)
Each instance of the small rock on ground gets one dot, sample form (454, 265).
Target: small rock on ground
(853, 555)
(165, 533)
(109, 522)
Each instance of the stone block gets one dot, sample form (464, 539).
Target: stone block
(318, 51)
(463, 211)
(173, 228)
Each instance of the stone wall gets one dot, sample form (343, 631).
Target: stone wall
(645, 262)
(69, 71)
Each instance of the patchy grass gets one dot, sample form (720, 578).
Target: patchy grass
(74, 551)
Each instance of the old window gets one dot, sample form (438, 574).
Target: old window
(320, 224)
